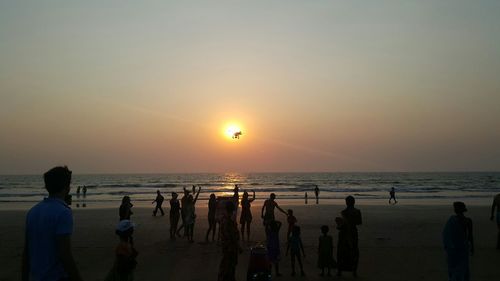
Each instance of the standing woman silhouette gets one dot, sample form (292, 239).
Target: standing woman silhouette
(246, 214)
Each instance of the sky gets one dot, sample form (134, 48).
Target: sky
(323, 86)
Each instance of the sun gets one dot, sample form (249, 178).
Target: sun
(232, 131)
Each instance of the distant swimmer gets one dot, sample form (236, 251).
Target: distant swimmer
(392, 194)
(236, 135)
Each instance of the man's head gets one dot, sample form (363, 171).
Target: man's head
(57, 180)
(158, 192)
(349, 201)
(459, 207)
(273, 196)
(325, 229)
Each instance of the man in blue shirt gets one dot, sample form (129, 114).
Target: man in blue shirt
(49, 224)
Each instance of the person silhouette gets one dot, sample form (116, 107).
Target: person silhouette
(458, 243)
(496, 205)
(126, 208)
(295, 246)
(325, 251)
(273, 245)
(269, 206)
(190, 214)
(183, 216)
(125, 253)
(212, 224)
(246, 214)
(316, 193)
(291, 220)
(159, 201)
(230, 245)
(49, 225)
(347, 250)
(175, 208)
(392, 194)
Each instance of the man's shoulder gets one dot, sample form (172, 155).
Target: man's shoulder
(50, 208)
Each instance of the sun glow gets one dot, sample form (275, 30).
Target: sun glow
(232, 131)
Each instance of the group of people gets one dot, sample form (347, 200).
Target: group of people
(47, 252)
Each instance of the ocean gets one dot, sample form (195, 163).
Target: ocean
(416, 187)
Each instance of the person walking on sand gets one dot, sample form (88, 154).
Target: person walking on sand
(348, 250)
(305, 197)
(496, 204)
(458, 243)
(84, 191)
(269, 206)
(49, 225)
(316, 193)
(295, 246)
(159, 201)
(125, 254)
(175, 208)
(126, 208)
(392, 194)
(230, 245)
(212, 224)
(246, 214)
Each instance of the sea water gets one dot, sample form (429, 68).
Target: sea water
(417, 187)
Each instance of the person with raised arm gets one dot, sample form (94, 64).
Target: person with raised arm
(190, 214)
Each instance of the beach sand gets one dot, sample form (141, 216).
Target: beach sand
(398, 242)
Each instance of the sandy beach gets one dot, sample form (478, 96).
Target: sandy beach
(400, 242)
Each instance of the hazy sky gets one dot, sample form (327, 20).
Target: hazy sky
(148, 86)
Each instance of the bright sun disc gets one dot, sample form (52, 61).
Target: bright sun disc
(231, 130)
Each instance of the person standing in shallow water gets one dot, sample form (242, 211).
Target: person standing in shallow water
(49, 226)
(348, 250)
(458, 243)
(230, 245)
(392, 194)
(316, 193)
(159, 201)
(246, 214)
(496, 204)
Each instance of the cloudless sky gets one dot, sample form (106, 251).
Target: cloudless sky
(148, 86)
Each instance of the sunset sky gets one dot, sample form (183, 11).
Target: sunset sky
(150, 86)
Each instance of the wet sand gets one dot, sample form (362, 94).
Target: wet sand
(399, 242)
